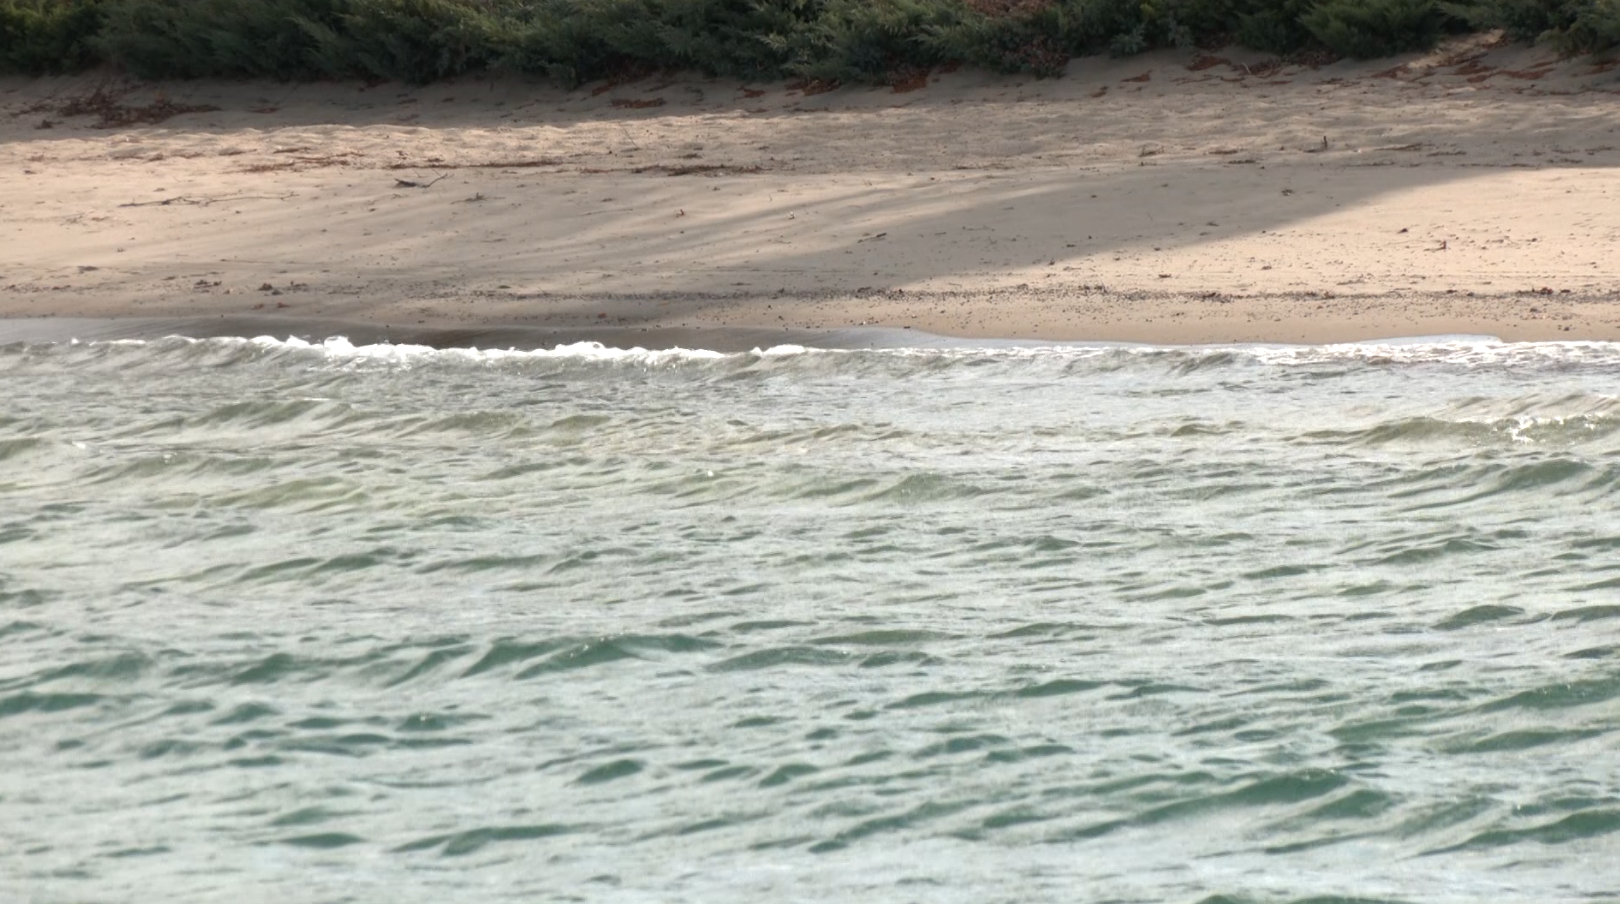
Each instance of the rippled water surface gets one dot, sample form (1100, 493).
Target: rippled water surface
(290, 623)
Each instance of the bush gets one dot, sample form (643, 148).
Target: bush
(1523, 20)
(410, 40)
(1273, 27)
(1373, 28)
(232, 38)
(830, 40)
(865, 40)
(1596, 28)
(577, 40)
(1574, 26)
(1038, 36)
(48, 36)
(735, 38)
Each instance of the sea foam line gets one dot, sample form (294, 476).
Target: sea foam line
(1452, 350)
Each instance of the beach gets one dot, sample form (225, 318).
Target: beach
(677, 489)
(1171, 197)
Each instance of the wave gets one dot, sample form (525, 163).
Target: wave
(1448, 351)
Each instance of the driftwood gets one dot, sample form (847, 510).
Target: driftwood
(406, 183)
(204, 202)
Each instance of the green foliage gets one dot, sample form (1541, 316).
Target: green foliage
(1128, 43)
(864, 40)
(194, 38)
(830, 40)
(48, 36)
(409, 40)
(1573, 26)
(565, 40)
(1040, 37)
(1002, 38)
(1524, 20)
(1089, 26)
(1373, 28)
(575, 40)
(1272, 27)
(736, 38)
(1596, 28)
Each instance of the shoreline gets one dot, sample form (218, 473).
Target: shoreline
(488, 337)
(1167, 198)
(506, 337)
(1012, 316)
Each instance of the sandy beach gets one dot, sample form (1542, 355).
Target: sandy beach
(1181, 197)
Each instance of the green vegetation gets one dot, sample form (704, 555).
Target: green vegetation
(1574, 26)
(37, 37)
(828, 40)
(1354, 28)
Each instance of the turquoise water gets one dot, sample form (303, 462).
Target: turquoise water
(283, 622)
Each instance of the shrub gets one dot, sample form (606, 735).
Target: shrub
(1524, 20)
(577, 40)
(413, 41)
(737, 38)
(1091, 26)
(234, 38)
(1038, 36)
(1596, 28)
(561, 39)
(1272, 27)
(48, 36)
(1372, 28)
(828, 40)
(864, 40)
(1001, 35)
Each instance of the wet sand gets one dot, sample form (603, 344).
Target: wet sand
(492, 336)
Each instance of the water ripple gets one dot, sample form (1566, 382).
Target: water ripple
(295, 621)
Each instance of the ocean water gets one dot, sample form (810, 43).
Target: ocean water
(295, 623)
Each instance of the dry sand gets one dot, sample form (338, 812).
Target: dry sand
(1172, 197)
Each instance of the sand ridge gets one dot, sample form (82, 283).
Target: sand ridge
(1170, 197)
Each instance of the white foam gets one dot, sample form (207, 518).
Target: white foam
(1467, 351)
(1453, 350)
(341, 347)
